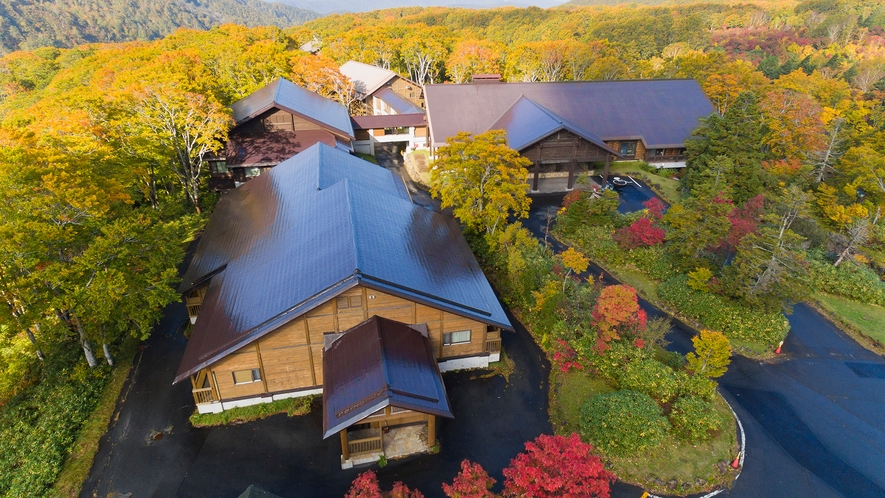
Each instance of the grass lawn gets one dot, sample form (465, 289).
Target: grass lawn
(644, 285)
(672, 460)
(665, 186)
(865, 320)
(292, 406)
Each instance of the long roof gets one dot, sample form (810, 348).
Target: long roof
(397, 103)
(388, 121)
(310, 228)
(526, 122)
(661, 113)
(366, 77)
(285, 95)
(376, 364)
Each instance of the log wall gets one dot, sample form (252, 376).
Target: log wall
(291, 357)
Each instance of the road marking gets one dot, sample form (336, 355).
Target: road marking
(634, 181)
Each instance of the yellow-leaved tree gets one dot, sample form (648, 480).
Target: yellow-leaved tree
(712, 354)
(482, 179)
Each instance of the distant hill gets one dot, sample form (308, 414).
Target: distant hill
(329, 6)
(26, 24)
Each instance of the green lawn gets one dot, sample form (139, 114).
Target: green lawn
(292, 406)
(673, 459)
(865, 319)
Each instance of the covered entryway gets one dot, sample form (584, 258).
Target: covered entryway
(382, 391)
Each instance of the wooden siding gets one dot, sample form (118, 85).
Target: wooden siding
(563, 147)
(291, 357)
(407, 90)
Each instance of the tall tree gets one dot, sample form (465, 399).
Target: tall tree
(482, 179)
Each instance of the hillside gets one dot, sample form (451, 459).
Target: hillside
(26, 24)
(330, 6)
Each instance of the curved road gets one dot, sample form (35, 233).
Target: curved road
(814, 417)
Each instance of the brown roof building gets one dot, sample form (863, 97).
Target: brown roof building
(563, 126)
(321, 276)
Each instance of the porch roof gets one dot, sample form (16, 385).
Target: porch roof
(376, 364)
(271, 148)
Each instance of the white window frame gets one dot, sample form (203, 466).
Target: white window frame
(255, 372)
(450, 339)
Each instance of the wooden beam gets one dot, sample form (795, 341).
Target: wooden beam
(608, 161)
(345, 449)
(431, 430)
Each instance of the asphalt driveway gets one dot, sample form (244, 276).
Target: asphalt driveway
(286, 455)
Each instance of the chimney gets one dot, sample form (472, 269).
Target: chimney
(486, 78)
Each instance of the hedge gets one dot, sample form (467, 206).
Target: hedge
(720, 313)
(695, 419)
(849, 280)
(623, 422)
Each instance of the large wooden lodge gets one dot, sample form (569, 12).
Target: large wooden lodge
(321, 276)
(562, 127)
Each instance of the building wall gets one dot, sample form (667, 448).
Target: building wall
(291, 357)
(407, 90)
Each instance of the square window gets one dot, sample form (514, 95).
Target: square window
(345, 302)
(219, 166)
(460, 337)
(247, 376)
(628, 148)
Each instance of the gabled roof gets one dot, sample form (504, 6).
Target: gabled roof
(366, 77)
(285, 95)
(397, 103)
(310, 228)
(527, 122)
(663, 113)
(271, 148)
(376, 364)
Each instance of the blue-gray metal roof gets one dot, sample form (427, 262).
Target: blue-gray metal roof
(310, 228)
(283, 94)
(526, 122)
(662, 113)
(376, 364)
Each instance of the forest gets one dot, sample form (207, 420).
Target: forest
(104, 149)
(29, 24)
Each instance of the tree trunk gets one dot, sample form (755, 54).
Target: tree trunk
(34, 342)
(107, 353)
(84, 342)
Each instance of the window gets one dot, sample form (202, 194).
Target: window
(345, 302)
(460, 337)
(252, 172)
(218, 166)
(396, 131)
(247, 376)
(628, 148)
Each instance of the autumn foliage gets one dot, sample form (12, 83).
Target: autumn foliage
(557, 467)
(366, 486)
(644, 231)
(617, 311)
(472, 482)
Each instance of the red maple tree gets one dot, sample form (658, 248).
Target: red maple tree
(366, 486)
(557, 466)
(641, 233)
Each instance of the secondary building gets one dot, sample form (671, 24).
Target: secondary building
(272, 125)
(321, 276)
(383, 91)
(563, 126)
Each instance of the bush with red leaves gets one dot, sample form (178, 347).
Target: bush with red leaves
(641, 233)
(557, 467)
(472, 482)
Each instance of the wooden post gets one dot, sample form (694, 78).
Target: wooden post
(571, 175)
(431, 430)
(345, 449)
(537, 175)
(608, 161)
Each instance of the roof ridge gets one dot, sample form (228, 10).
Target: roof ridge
(350, 216)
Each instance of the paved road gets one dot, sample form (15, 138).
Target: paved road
(814, 417)
(390, 157)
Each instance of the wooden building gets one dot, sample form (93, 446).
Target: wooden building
(272, 125)
(383, 91)
(408, 130)
(562, 127)
(312, 251)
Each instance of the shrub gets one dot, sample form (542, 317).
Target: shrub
(640, 233)
(694, 419)
(472, 482)
(555, 466)
(649, 376)
(591, 209)
(853, 281)
(623, 422)
(695, 385)
(721, 313)
(654, 261)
